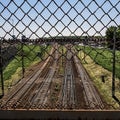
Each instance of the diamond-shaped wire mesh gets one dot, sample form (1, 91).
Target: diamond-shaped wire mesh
(37, 19)
(29, 29)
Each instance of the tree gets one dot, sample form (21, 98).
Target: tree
(110, 32)
(110, 35)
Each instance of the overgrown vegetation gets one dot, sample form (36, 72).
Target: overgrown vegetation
(103, 57)
(55, 92)
(31, 54)
(89, 57)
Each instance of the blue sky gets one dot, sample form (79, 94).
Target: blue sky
(57, 17)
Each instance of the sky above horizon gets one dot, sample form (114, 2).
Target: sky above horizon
(47, 18)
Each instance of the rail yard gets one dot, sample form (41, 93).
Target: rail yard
(60, 59)
(58, 82)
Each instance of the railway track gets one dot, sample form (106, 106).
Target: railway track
(68, 90)
(91, 96)
(40, 98)
(33, 91)
(16, 95)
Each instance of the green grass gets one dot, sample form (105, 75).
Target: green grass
(99, 62)
(105, 89)
(103, 57)
(30, 57)
(11, 68)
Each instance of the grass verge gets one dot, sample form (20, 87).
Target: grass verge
(96, 72)
(32, 55)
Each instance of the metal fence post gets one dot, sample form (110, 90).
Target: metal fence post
(22, 55)
(113, 71)
(1, 69)
(62, 55)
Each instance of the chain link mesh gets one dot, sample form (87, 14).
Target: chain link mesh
(28, 30)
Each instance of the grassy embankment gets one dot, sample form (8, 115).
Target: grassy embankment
(13, 72)
(98, 63)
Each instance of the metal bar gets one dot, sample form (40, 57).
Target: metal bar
(113, 71)
(1, 69)
(22, 52)
(62, 55)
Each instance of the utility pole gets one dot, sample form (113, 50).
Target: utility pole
(1, 69)
(13, 26)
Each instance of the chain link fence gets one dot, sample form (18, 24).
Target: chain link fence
(29, 29)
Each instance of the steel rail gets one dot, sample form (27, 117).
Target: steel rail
(18, 91)
(68, 92)
(92, 97)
